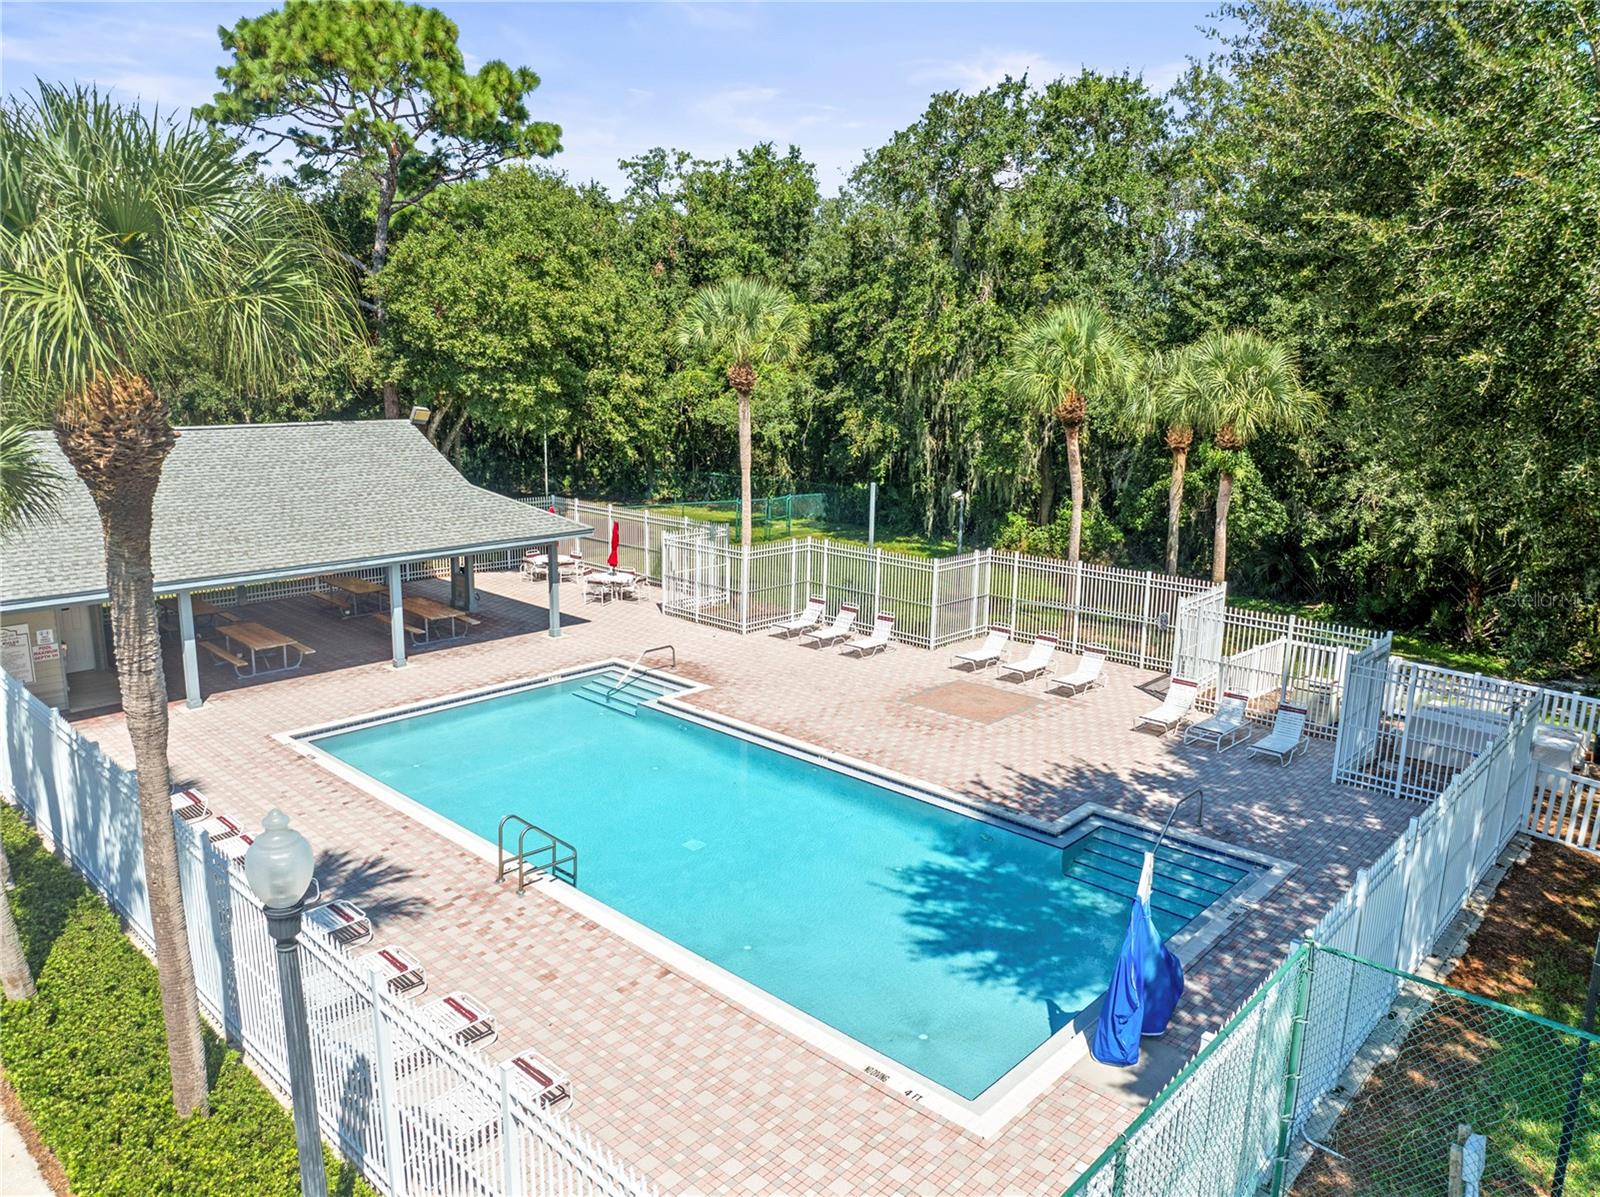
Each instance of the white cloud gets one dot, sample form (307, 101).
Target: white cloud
(720, 17)
(986, 68)
(739, 108)
(1162, 76)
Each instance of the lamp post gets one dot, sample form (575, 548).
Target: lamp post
(960, 496)
(278, 867)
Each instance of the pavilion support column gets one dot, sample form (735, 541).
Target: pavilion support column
(191, 652)
(552, 571)
(397, 617)
(469, 574)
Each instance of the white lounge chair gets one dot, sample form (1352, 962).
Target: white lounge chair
(865, 646)
(1225, 728)
(398, 969)
(1035, 662)
(805, 621)
(1088, 674)
(540, 1082)
(190, 805)
(1287, 737)
(986, 654)
(1174, 709)
(343, 922)
(463, 1018)
(835, 631)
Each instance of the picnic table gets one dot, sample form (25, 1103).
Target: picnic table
(256, 638)
(206, 613)
(358, 590)
(423, 613)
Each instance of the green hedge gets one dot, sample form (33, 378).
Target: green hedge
(88, 1056)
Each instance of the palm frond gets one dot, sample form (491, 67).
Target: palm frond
(742, 321)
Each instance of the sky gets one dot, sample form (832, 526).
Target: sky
(834, 79)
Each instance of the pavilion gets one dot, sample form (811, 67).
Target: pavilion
(259, 511)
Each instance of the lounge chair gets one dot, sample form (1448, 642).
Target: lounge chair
(400, 971)
(463, 1018)
(1287, 737)
(343, 922)
(1035, 662)
(542, 1084)
(1174, 709)
(865, 646)
(1089, 673)
(805, 621)
(190, 805)
(986, 654)
(1225, 728)
(842, 623)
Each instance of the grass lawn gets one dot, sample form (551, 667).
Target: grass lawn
(87, 1057)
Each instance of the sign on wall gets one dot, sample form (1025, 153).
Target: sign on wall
(15, 658)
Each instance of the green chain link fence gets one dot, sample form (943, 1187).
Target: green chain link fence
(1426, 1066)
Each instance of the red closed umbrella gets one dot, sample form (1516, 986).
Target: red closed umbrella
(616, 539)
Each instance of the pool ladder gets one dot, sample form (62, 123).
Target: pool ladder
(550, 854)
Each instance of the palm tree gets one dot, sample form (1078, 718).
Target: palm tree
(128, 241)
(1170, 403)
(28, 491)
(741, 324)
(1064, 360)
(1252, 386)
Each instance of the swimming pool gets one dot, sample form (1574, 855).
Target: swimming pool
(951, 944)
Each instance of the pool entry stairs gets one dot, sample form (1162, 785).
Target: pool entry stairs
(630, 689)
(626, 695)
(1186, 881)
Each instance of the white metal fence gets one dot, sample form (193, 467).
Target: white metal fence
(639, 532)
(419, 1116)
(1227, 1123)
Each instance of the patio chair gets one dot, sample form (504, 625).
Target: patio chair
(1287, 737)
(805, 621)
(463, 1019)
(542, 1084)
(535, 564)
(865, 646)
(1035, 662)
(986, 654)
(344, 923)
(400, 971)
(1175, 707)
(1225, 728)
(1088, 674)
(835, 631)
(190, 805)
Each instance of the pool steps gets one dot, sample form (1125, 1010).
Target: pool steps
(629, 696)
(1186, 881)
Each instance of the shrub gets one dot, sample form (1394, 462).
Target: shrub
(88, 1057)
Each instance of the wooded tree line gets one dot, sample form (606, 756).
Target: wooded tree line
(1404, 197)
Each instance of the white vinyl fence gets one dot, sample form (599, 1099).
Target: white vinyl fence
(419, 1116)
(639, 532)
(1150, 621)
(1228, 1124)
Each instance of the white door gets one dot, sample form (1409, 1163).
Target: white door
(80, 631)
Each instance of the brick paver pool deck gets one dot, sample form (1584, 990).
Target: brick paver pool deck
(692, 1088)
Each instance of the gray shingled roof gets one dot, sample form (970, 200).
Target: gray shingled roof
(247, 502)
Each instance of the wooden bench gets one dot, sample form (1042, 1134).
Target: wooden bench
(415, 628)
(217, 650)
(305, 650)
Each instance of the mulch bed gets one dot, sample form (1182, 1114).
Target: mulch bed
(1397, 1129)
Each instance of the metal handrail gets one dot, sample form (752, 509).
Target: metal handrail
(561, 867)
(636, 662)
(1200, 820)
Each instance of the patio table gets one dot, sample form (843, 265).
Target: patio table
(258, 638)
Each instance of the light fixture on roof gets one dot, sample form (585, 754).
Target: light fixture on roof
(420, 414)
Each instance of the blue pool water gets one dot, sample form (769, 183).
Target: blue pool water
(951, 945)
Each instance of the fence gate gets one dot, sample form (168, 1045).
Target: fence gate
(695, 574)
(1197, 651)
(1355, 747)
